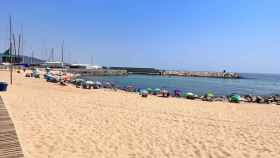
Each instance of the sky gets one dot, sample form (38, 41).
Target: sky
(212, 35)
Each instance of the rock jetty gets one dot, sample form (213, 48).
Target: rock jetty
(202, 74)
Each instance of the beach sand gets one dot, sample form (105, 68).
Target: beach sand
(55, 121)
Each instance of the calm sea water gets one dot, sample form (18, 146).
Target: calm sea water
(254, 84)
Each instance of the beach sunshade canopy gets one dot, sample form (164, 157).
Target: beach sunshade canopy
(156, 90)
(235, 98)
(188, 94)
(149, 89)
(98, 83)
(143, 91)
(89, 82)
(177, 90)
(210, 94)
(79, 80)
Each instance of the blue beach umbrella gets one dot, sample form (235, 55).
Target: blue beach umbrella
(177, 92)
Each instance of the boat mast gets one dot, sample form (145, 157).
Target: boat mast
(91, 61)
(10, 52)
(62, 53)
(19, 45)
(22, 44)
(52, 55)
(32, 56)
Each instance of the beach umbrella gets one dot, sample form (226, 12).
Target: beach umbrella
(210, 94)
(156, 91)
(98, 83)
(109, 84)
(150, 90)
(89, 82)
(235, 98)
(177, 92)
(79, 80)
(144, 93)
(130, 88)
(189, 95)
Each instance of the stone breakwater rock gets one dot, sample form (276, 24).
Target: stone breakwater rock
(249, 98)
(276, 98)
(220, 98)
(269, 100)
(201, 74)
(261, 100)
(246, 98)
(207, 98)
(214, 98)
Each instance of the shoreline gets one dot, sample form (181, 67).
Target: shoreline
(63, 121)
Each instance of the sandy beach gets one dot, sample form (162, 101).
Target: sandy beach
(56, 121)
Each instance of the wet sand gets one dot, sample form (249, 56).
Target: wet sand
(55, 121)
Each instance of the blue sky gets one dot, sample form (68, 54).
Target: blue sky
(237, 35)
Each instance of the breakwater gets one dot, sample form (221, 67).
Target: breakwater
(139, 71)
(202, 74)
(153, 71)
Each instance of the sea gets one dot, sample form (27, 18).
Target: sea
(249, 83)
